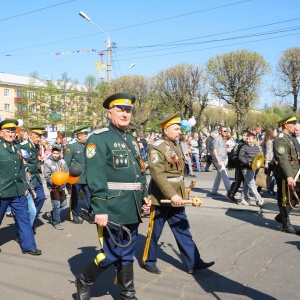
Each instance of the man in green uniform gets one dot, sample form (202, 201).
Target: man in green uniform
(13, 187)
(116, 177)
(285, 171)
(32, 146)
(74, 155)
(166, 164)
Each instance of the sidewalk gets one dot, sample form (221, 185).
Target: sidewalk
(254, 259)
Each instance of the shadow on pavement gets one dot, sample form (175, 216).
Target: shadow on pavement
(214, 283)
(104, 284)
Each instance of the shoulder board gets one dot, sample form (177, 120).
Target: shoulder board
(280, 134)
(158, 142)
(101, 130)
(24, 143)
(72, 142)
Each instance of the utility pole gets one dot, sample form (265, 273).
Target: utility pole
(108, 44)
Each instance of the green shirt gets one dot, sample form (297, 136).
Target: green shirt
(33, 161)
(110, 162)
(12, 171)
(74, 155)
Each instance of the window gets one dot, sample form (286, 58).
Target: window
(19, 93)
(31, 95)
(43, 109)
(6, 92)
(32, 108)
(6, 107)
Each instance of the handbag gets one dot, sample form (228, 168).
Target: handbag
(263, 180)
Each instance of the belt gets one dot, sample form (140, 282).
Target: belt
(128, 186)
(175, 179)
(294, 162)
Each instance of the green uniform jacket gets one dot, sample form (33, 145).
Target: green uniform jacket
(33, 161)
(166, 161)
(74, 155)
(12, 171)
(286, 156)
(108, 160)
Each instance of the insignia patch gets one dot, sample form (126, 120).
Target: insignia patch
(280, 150)
(158, 142)
(68, 150)
(90, 150)
(153, 156)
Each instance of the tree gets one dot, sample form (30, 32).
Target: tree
(235, 77)
(183, 88)
(288, 76)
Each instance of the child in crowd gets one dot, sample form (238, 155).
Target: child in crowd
(246, 155)
(57, 193)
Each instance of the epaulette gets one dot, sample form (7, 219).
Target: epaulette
(101, 130)
(72, 142)
(280, 134)
(24, 143)
(158, 142)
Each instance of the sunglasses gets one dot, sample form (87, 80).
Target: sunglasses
(224, 130)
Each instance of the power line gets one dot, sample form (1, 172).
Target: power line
(210, 35)
(172, 46)
(33, 11)
(209, 48)
(135, 25)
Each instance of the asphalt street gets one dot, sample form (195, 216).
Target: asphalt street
(253, 258)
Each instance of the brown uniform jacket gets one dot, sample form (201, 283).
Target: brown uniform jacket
(166, 165)
(286, 155)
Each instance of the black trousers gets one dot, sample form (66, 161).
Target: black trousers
(238, 179)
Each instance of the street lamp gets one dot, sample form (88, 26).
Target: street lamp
(108, 44)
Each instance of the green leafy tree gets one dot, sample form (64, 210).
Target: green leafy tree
(288, 76)
(236, 77)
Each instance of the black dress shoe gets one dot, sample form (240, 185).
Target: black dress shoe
(33, 252)
(77, 221)
(202, 266)
(152, 269)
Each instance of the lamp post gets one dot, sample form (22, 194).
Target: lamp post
(108, 44)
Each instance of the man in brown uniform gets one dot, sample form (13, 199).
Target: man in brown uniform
(166, 164)
(285, 171)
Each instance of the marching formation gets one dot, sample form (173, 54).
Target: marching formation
(109, 167)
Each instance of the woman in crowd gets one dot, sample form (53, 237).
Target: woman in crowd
(267, 147)
(186, 153)
(195, 150)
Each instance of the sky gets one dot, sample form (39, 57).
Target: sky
(50, 38)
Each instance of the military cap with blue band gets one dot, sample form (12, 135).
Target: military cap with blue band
(121, 100)
(291, 119)
(10, 124)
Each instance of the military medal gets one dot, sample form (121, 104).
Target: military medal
(175, 158)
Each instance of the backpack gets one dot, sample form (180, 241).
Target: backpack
(234, 153)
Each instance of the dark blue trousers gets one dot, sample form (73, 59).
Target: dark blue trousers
(179, 224)
(19, 207)
(112, 254)
(74, 201)
(39, 200)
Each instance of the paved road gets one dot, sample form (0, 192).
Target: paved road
(254, 259)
